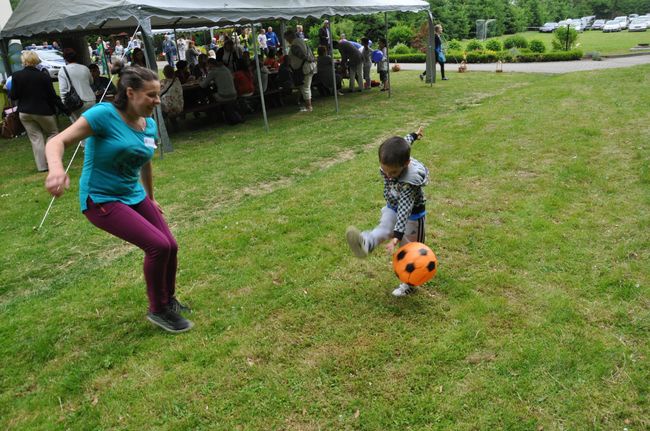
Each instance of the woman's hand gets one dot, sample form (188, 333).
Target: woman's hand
(420, 132)
(157, 205)
(390, 246)
(57, 182)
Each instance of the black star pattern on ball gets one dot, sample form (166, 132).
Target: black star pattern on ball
(401, 255)
(410, 268)
(431, 266)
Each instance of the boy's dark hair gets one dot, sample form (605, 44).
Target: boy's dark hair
(365, 40)
(394, 151)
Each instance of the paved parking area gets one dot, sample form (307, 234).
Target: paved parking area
(548, 67)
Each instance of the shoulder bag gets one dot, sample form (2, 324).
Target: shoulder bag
(71, 99)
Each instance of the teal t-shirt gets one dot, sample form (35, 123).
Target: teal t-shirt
(114, 156)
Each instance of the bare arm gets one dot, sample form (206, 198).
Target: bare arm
(57, 180)
(146, 175)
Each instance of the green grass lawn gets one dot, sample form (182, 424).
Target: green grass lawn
(539, 317)
(594, 41)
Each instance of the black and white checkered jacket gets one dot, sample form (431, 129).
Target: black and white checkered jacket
(404, 194)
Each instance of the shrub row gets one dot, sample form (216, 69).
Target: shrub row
(525, 56)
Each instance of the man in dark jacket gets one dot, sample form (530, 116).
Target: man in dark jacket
(353, 58)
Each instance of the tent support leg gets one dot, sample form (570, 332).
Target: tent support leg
(283, 43)
(431, 60)
(387, 55)
(258, 64)
(4, 46)
(336, 89)
(150, 57)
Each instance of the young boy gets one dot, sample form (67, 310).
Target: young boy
(382, 66)
(402, 219)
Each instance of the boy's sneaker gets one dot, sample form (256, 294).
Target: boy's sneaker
(403, 290)
(356, 241)
(170, 321)
(177, 307)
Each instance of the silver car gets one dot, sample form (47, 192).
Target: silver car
(51, 60)
(611, 26)
(548, 27)
(638, 24)
(598, 24)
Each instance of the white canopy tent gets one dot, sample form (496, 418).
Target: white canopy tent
(47, 17)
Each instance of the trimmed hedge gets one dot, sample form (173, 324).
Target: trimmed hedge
(493, 56)
(418, 57)
(575, 54)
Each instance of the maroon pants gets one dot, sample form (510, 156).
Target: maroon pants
(144, 226)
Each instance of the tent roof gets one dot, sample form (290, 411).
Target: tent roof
(34, 17)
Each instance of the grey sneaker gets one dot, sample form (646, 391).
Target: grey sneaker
(403, 290)
(357, 243)
(170, 321)
(177, 307)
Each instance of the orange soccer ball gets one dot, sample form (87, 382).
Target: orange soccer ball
(415, 263)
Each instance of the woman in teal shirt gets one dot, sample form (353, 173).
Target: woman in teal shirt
(116, 185)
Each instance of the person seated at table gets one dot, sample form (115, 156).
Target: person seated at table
(100, 82)
(244, 79)
(264, 72)
(220, 79)
(171, 95)
(271, 62)
(228, 55)
(323, 77)
(285, 75)
(200, 71)
(183, 72)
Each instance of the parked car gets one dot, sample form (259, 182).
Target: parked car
(51, 60)
(577, 25)
(611, 26)
(548, 27)
(638, 24)
(587, 22)
(624, 22)
(598, 24)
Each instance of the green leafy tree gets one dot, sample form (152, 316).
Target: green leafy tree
(342, 26)
(400, 34)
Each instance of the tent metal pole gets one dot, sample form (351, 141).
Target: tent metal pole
(256, 59)
(336, 90)
(150, 58)
(283, 42)
(4, 46)
(387, 55)
(431, 60)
